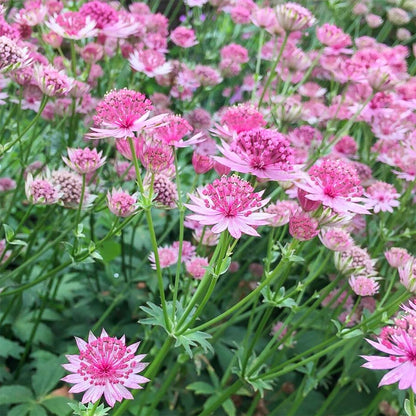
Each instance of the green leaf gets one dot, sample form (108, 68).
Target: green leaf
(110, 250)
(47, 376)
(38, 410)
(58, 405)
(200, 387)
(194, 339)
(9, 348)
(408, 407)
(9, 233)
(15, 394)
(20, 410)
(229, 407)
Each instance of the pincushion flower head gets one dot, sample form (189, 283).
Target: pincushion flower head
(150, 62)
(229, 204)
(399, 343)
(121, 113)
(12, 56)
(292, 16)
(335, 183)
(52, 82)
(261, 152)
(73, 25)
(85, 160)
(105, 366)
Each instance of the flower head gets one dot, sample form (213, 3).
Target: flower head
(303, 227)
(105, 366)
(73, 25)
(382, 196)
(52, 82)
(335, 183)
(196, 267)
(100, 12)
(121, 113)
(407, 274)
(183, 37)
(12, 56)
(242, 117)
(397, 256)
(121, 203)
(229, 204)
(167, 257)
(363, 285)
(41, 190)
(281, 211)
(262, 152)
(150, 62)
(336, 239)
(85, 160)
(292, 16)
(398, 342)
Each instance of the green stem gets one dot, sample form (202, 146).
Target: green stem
(412, 403)
(273, 69)
(78, 216)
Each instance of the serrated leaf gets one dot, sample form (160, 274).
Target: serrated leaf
(229, 407)
(20, 410)
(200, 387)
(47, 376)
(9, 348)
(58, 405)
(194, 339)
(15, 394)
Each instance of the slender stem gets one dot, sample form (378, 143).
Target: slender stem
(412, 403)
(273, 69)
(94, 408)
(78, 216)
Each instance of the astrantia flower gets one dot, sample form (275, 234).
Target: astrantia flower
(105, 366)
(397, 256)
(121, 203)
(196, 267)
(149, 62)
(292, 16)
(73, 25)
(167, 257)
(41, 191)
(12, 56)
(242, 117)
(52, 82)
(261, 152)
(183, 37)
(100, 12)
(363, 286)
(281, 211)
(336, 184)
(121, 113)
(382, 196)
(407, 274)
(84, 160)
(399, 343)
(336, 239)
(173, 130)
(229, 204)
(303, 227)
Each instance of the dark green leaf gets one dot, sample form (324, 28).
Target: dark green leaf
(58, 405)
(20, 410)
(200, 387)
(15, 394)
(9, 348)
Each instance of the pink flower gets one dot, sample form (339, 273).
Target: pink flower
(242, 117)
(188, 250)
(333, 36)
(196, 267)
(105, 366)
(73, 25)
(12, 56)
(397, 256)
(52, 82)
(303, 227)
(382, 196)
(156, 156)
(167, 257)
(336, 239)
(336, 184)
(281, 211)
(407, 274)
(363, 285)
(121, 113)
(173, 130)
(229, 204)
(100, 12)
(85, 160)
(261, 152)
(399, 343)
(292, 16)
(121, 203)
(41, 191)
(149, 62)
(183, 37)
